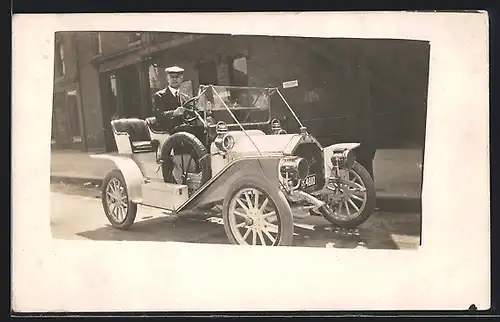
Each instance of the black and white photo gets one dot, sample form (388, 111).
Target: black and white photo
(339, 125)
(184, 146)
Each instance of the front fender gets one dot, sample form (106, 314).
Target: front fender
(216, 188)
(329, 150)
(131, 174)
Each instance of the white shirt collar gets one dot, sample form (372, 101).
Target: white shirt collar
(173, 90)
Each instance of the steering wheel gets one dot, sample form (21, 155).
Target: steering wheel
(190, 114)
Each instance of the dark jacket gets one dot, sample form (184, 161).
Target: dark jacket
(164, 104)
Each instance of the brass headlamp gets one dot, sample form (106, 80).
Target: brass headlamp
(223, 141)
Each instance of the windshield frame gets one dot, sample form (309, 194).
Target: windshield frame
(202, 107)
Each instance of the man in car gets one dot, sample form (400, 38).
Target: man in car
(167, 102)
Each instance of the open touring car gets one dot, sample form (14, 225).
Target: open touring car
(229, 151)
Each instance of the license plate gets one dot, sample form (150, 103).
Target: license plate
(309, 181)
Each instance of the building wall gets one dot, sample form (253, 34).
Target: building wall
(67, 40)
(116, 42)
(90, 92)
(338, 80)
(81, 80)
(270, 62)
(63, 85)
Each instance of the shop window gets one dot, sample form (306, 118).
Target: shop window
(59, 60)
(74, 119)
(238, 72)
(134, 38)
(97, 43)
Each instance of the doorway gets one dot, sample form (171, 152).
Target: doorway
(129, 91)
(67, 121)
(74, 118)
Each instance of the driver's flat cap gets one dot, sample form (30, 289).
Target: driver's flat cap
(174, 70)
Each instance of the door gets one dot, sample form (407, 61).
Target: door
(129, 92)
(74, 120)
(67, 120)
(59, 119)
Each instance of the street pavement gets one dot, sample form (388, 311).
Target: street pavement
(76, 213)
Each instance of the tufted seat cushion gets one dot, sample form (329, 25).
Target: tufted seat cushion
(137, 131)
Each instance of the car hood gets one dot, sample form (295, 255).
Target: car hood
(257, 142)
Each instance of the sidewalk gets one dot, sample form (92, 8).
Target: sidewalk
(397, 175)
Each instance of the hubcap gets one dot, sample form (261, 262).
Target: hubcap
(253, 218)
(117, 200)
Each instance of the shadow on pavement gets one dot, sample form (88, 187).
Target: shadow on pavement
(376, 233)
(162, 229)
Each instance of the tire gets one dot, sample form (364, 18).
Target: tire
(199, 149)
(369, 205)
(201, 155)
(131, 211)
(276, 200)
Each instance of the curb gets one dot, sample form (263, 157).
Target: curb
(76, 180)
(399, 204)
(384, 203)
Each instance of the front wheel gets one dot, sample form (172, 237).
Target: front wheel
(352, 199)
(119, 209)
(257, 213)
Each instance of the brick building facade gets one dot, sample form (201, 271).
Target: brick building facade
(347, 89)
(76, 116)
(67, 121)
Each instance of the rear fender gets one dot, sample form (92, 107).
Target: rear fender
(216, 188)
(131, 174)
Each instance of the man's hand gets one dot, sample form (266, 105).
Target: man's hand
(179, 111)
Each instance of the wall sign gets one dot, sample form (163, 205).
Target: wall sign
(290, 84)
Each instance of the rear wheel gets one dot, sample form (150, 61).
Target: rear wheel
(119, 209)
(185, 161)
(256, 213)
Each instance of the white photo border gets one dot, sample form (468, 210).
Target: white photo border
(451, 270)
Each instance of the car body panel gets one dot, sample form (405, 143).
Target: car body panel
(131, 174)
(216, 188)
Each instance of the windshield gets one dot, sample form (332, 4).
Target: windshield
(248, 104)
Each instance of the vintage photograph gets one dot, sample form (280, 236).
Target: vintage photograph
(151, 155)
(238, 139)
